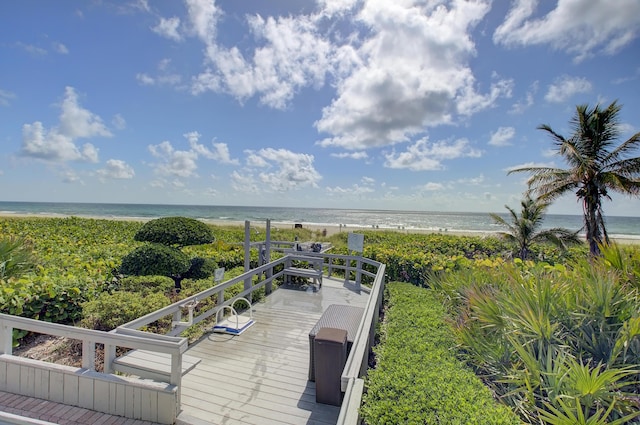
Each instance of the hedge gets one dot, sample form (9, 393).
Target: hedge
(417, 378)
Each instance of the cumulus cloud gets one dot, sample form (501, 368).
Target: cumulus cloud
(76, 121)
(244, 182)
(116, 169)
(413, 72)
(502, 136)
(351, 155)
(355, 189)
(220, 151)
(291, 56)
(281, 170)
(174, 162)
(578, 27)
(119, 122)
(431, 187)
(565, 87)
(168, 28)
(425, 155)
(58, 144)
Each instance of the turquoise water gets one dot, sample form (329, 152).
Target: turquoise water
(352, 218)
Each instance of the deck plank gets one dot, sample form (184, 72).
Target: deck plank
(261, 376)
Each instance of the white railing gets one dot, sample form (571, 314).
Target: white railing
(129, 335)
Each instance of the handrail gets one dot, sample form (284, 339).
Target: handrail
(129, 335)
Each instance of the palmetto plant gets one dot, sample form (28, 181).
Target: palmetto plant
(525, 229)
(16, 258)
(559, 345)
(597, 164)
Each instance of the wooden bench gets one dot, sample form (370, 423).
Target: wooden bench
(151, 365)
(314, 273)
(336, 316)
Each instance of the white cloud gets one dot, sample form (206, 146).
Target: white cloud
(502, 136)
(31, 49)
(522, 105)
(353, 190)
(431, 187)
(412, 71)
(60, 48)
(116, 169)
(351, 155)
(578, 27)
(282, 170)
(565, 87)
(424, 155)
(119, 122)
(336, 7)
(473, 181)
(174, 162)
(292, 56)
(244, 182)
(163, 78)
(168, 28)
(75, 121)
(58, 144)
(219, 153)
(6, 97)
(204, 15)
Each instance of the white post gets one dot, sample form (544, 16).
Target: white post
(247, 255)
(6, 338)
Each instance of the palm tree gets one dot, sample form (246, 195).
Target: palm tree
(524, 229)
(597, 165)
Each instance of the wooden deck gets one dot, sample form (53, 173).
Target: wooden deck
(261, 376)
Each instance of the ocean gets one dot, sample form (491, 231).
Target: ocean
(622, 227)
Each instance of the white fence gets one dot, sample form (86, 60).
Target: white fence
(160, 401)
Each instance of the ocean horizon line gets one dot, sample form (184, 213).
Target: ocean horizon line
(352, 218)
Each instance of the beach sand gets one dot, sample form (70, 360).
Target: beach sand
(327, 230)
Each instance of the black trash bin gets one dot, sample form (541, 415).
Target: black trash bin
(330, 352)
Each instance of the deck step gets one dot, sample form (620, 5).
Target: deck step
(150, 364)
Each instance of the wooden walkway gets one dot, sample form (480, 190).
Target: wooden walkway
(23, 410)
(261, 376)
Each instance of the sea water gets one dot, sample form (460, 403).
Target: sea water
(617, 226)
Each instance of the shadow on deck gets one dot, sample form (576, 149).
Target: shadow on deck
(261, 376)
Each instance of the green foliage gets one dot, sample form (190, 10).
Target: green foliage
(551, 341)
(200, 268)
(108, 311)
(525, 229)
(155, 259)
(417, 378)
(16, 258)
(145, 285)
(175, 231)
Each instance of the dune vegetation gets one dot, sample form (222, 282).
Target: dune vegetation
(553, 339)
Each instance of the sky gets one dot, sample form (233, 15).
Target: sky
(373, 104)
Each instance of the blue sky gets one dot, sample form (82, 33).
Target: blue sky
(403, 104)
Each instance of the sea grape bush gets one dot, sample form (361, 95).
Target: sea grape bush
(175, 231)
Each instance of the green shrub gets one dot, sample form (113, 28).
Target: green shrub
(417, 378)
(201, 268)
(175, 231)
(108, 311)
(145, 285)
(155, 259)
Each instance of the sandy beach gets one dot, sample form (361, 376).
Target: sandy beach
(321, 229)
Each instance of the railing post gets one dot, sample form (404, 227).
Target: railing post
(358, 272)
(6, 338)
(220, 301)
(247, 255)
(109, 357)
(267, 253)
(88, 354)
(176, 375)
